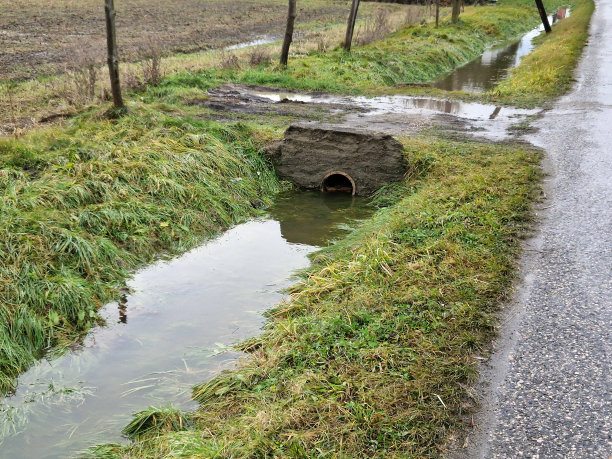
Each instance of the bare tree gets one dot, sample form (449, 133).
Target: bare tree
(350, 28)
(292, 13)
(113, 58)
(456, 11)
(437, 13)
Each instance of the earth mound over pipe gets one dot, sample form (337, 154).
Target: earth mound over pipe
(338, 159)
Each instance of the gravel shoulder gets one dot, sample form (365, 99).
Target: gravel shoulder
(547, 387)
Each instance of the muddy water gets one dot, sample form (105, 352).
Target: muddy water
(395, 114)
(171, 332)
(400, 104)
(494, 65)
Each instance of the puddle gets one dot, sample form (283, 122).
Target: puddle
(401, 104)
(260, 41)
(399, 114)
(293, 97)
(485, 72)
(172, 332)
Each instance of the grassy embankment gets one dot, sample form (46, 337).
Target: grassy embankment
(548, 71)
(373, 353)
(420, 54)
(82, 206)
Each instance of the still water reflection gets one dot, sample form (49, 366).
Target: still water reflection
(494, 65)
(172, 331)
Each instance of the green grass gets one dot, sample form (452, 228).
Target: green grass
(548, 71)
(371, 355)
(414, 54)
(85, 205)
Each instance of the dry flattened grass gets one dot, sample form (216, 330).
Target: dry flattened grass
(382, 22)
(371, 355)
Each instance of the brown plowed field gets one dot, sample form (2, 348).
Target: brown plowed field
(40, 37)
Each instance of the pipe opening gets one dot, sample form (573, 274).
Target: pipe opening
(338, 182)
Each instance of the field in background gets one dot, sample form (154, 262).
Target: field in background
(40, 37)
(320, 26)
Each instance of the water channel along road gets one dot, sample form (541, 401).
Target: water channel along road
(550, 384)
(550, 376)
(173, 330)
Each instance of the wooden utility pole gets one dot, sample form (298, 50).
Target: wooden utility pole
(113, 59)
(456, 11)
(437, 13)
(543, 15)
(350, 27)
(288, 32)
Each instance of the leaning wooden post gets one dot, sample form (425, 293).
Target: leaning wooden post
(288, 32)
(350, 27)
(543, 15)
(437, 13)
(113, 59)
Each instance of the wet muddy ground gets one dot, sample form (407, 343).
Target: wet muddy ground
(397, 115)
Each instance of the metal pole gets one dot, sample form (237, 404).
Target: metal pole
(543, 15)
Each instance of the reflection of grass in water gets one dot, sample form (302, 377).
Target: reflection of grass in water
(176, 385)
(14, 417)
(314, 218)
(158, 387)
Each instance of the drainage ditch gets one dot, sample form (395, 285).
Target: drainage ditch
(176, 327)
(173, 331)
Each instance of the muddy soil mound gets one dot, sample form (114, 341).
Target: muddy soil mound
(339, 159)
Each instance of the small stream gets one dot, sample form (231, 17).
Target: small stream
(174, 330)
(494, 65)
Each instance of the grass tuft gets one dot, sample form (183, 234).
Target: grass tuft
(155, 422)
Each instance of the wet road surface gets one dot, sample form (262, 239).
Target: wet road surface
(551, 385)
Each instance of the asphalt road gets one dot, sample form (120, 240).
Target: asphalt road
(550, 384)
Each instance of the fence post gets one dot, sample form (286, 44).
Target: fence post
(113, 58)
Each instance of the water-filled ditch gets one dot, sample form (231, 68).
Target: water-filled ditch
(495, 64)
(176, 326)
(174, 330)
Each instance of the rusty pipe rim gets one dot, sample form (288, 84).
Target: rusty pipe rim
(344, 174)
